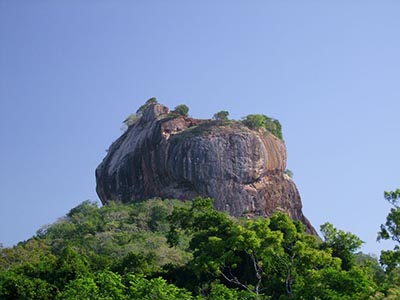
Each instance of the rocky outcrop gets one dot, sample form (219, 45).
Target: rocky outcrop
(169, 156)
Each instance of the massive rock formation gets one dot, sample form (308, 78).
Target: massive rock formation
(171, 156)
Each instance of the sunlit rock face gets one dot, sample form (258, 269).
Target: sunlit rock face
(169, 156)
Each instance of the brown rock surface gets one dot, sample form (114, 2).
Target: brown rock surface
(168, 156)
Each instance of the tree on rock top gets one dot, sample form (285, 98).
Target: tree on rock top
(182, 110)
(262, 121)
(221, 115)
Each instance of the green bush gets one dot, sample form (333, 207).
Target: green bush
(262, 121)
(182, 110)
(254, 121)
(131, 119)
(149, 102)
(221, 115)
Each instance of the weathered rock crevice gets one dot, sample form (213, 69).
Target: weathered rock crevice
(169, 156)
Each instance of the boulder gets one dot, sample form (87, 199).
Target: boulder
(171, 156)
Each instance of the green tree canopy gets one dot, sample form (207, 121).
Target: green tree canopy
(182, 110)
(262, 121)
(221, 115)
(124, 252)
(343, 244)
(391, 231)
(267, 257)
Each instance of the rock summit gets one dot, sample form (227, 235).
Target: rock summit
(167, 155)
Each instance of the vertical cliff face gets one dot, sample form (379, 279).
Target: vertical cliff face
(169, 156)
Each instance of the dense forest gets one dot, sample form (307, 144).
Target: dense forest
(169, 249)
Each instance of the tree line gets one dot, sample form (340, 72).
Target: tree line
(168, 249)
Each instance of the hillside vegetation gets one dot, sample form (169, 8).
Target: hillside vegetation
(168, 249)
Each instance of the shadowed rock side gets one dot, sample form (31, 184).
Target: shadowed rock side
(169, 156)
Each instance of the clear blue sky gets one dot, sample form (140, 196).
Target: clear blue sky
(71, 71)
